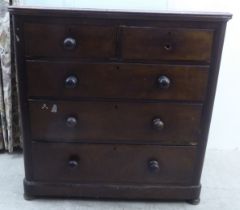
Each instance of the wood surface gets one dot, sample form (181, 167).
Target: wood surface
(144, 141)
(115, 122)
(116, 80)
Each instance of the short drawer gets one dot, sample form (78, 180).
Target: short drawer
(66, 40)
(136, 81)
(166, 123)
(167, 44)
(85, 163)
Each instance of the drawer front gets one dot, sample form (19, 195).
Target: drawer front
(167, 44)
(112, 163)
(53, 40)
(166, 123)
(59, 79)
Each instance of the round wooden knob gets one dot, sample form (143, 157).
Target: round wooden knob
(71, 122)
(69, 43)
(163, 82)
(73, 163)
(153, 165)
(158, 124)
(71, 82)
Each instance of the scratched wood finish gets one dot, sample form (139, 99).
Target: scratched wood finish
(116, 122)
(134, 81)
(167, 44)
(91, 41)
(112, 163)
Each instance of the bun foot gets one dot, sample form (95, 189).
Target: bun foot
(194, 201)
(28, 197)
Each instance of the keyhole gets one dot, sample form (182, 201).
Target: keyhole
(116, 106)
(168, 47)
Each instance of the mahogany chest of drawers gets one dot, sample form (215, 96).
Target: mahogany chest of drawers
(116, 104)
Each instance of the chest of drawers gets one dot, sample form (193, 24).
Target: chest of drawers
(116, 104)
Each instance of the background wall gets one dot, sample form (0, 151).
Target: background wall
(225, 126)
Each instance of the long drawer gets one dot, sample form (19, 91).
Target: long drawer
(112, 163)
(183, 44)
(73, 79)
(166, 123)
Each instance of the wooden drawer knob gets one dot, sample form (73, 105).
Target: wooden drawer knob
(157, 124)
(71, 82)
(163, 82)
(73, 162)
(71, 122)
(153, 165)
(69, 43)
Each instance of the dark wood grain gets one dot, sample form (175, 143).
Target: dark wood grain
(22, 94)
(112, 163)
(91, 41)
(109, 121)
(128, 191)
(166, 44)
(124, 14)
(47, 79)
(112, 100)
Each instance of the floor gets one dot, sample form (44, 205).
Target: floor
(220, 180)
